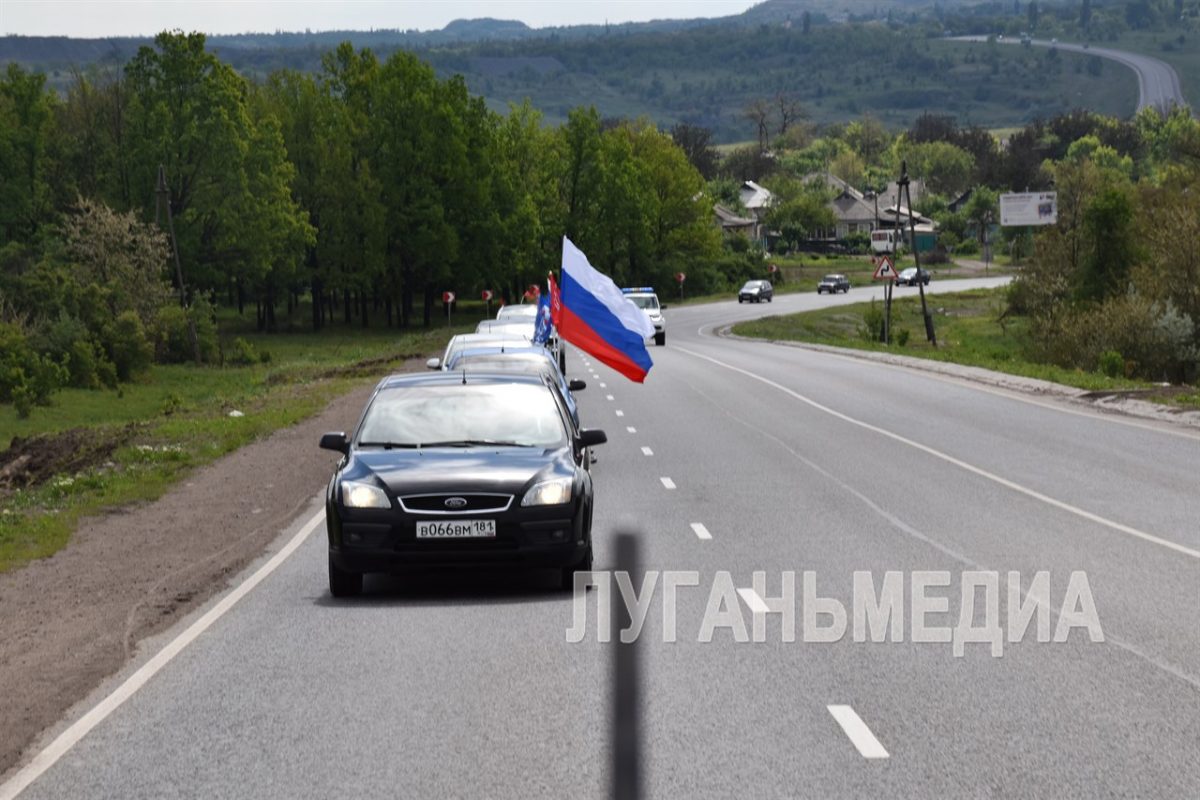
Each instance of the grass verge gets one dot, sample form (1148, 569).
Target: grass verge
(149, 434)
(970, 330)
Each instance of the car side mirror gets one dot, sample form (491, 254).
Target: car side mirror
(590, 437)
(433, 363)
(335, 441)
(577, 385)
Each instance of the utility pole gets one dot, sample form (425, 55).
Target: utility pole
(905, 192)
(163, 194)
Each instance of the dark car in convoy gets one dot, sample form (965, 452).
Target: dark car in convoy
(833, 284)
(912, 276)
(454, 469)
(756, 292)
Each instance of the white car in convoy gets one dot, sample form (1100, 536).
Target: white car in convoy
(644, 298)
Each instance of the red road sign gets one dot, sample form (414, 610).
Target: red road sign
(885, 271)
(680, 276)
(487, 294)
(447, 297)
(773, 268)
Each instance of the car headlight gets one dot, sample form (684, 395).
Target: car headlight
(363, 495)
(549, 493)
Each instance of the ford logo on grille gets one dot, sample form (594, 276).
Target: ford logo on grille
(456, 502)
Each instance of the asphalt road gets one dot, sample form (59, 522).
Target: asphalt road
(1158, 83)
(787, 459)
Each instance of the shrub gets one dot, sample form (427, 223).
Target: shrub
(902, 337)
(241, 352)
(26, 378)
(172, 340)
(128, 348)
(1112, 364)
(872, 325)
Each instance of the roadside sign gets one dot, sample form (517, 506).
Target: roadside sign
(447, 297)
(885, 271)
(487, 294)
(1028, 208)
(681, 277)
(773, 268)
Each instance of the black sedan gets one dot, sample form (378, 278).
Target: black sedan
(833, 284)
(756, 292)
(460, 469)
(912, 276)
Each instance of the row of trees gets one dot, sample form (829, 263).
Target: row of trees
(369, 188)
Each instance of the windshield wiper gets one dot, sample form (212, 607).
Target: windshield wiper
(474, 443)
(389, 445)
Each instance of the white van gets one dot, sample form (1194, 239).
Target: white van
(886, 240)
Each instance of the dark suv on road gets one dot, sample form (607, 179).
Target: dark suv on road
(756, 292)
(833, 284)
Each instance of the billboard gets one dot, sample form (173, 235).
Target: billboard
(1029, 208)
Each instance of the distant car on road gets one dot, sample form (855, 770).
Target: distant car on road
(833, 284)
(911, 277)
(756, 292)
(460, 469)
(644, 298)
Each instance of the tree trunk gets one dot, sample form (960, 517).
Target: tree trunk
(241, 298)
(388, 305)
(318, 315)
(346, 307)
(428, 305)
(362, 296)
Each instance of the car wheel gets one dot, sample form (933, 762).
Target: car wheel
(343, 583)
(739, 301)
(660, 338)
(769, 299)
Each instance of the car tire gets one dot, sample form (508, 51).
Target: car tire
(739, 301)
(660, 339)
(343, 583)
(769, 299)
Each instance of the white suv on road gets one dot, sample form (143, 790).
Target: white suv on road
(644, 298)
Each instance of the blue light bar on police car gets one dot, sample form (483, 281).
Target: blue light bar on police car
(639, 289)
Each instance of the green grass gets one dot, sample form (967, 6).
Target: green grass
(176, 418)
(969, 331)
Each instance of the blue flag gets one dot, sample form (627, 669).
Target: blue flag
(541, 333)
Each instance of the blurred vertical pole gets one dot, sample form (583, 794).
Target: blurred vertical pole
(626, 728)
(163, 194)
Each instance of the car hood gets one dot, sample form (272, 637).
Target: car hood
(499, 469)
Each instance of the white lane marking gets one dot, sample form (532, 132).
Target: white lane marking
(608, 397)
(949, 459)
(1011, 395)
(668, 483)
(701, 531)
(631, 430)
(646, 451)
(604, 386)
(753, 601)
(81, 727)
(620, 413)
(857, 731)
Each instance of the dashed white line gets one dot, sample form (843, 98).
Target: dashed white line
(857, 731)
(608, 397)
(620, 413)
(604, 386)
(753, 601)
(701, 531)
(630, 429)
(667, 483)
(646, 451)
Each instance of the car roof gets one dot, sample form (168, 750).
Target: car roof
(518, 311)
(440, 378)
(466, 339)
(526, 353)
(835, 275)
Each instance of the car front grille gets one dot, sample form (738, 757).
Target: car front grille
(472, 503)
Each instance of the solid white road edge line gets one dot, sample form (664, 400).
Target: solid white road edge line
(949, 459)
(81, 727)
(666, 482)
(701, 531)
(753, 601)
(646, 451)
(857, 731)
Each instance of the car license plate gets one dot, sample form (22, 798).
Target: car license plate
(457, 529)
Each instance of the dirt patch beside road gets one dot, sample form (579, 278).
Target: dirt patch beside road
(69, 621)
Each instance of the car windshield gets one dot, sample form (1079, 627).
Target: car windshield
(752, 285)
(463, 414)
(833, 277)
(644, 302)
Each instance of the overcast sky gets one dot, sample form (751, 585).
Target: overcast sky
(98, 18)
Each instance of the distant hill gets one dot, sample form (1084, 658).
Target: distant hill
(860, 56)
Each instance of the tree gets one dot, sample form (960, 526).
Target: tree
(758, 111)
(982, 209)
(789, 109)
(696, 143)
(1085, 14)
(806, 22)
(1031, 12)
(798, 211)
(946, 169)
(26, 117)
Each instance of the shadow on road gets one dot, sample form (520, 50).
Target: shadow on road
(455, 587)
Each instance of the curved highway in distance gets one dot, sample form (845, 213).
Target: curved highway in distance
(1158, 82)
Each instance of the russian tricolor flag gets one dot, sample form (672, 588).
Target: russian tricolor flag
(598, 319)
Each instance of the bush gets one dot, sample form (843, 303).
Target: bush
(128, 348)
(967, 247)
(172, 340)
(26, 378)
(857, 243)
(1112, 364)
(902, 337)
(871, 329)
(242, 353)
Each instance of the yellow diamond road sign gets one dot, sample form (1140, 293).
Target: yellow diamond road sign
(885, 271)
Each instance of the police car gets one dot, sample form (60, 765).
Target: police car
(644, 298)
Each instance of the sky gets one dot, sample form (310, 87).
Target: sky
(100, 18)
